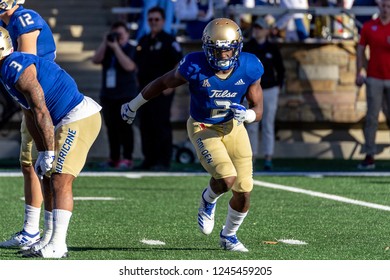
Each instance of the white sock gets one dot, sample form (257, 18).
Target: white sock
(61, 220)
(31, 219)
(210, 196)
(48, 228)
(233, 221)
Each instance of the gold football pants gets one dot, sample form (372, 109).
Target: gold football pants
(224, 150)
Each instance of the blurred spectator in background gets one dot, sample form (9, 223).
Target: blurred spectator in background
(166, 5)
(358, 3)
(294, 24)
(376, 35)
(132, 17)
(157, 53)
(219, 8)
(271, 82)
(245, 20)
(119, 85)
(196, 14)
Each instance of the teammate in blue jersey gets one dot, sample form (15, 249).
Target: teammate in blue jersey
(219, 79)
(31, 34)
(21, 21)
(63, 123)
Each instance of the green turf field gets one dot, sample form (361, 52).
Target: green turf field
(165, 209)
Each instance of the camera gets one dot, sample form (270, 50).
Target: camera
(113, 36)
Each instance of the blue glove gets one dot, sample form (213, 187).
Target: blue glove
(127, 114)
(239, 112)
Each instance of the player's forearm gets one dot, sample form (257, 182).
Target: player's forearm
(33, 130)
(258, 112)
(45, 129)
(154, 89)
(149, 92)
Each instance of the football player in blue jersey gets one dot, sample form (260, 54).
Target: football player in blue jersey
(63, 123)
(219, 79)
(31, 34)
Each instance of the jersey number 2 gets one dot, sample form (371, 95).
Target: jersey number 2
(223, 111)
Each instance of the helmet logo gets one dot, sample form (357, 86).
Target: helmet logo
(222, 44)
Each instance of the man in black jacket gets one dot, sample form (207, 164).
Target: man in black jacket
(157, 53)
(271, 82)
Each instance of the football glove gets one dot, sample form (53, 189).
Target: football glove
(127, 114)
(44, 163)
(239, 112)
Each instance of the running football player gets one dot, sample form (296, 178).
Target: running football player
(31, 34)
(219, 79)
(63, 123)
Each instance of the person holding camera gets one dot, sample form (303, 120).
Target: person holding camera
(119, 85)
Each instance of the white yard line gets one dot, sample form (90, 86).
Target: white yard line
(91, 198)
(322, 195)
(152, 242)
(138, 175)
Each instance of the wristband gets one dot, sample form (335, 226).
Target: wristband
(250, 116)
(137, 102)
(48, 153)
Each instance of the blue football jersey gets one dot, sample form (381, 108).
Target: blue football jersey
(61, 92)
(24, 21)
(211, 96)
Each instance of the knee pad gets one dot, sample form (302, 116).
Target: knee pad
(243, 184)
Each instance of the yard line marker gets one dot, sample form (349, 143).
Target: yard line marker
(292, 241)
(152, 242)
(322, 195)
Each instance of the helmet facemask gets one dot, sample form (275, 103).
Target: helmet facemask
(6, 5)
(6, 47)
(218, 36)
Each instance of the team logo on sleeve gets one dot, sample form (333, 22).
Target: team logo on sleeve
(206, 83)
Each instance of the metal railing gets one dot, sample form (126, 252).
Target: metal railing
(236, 11)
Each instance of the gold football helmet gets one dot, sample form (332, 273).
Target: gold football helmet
(6, 5)
(222, 34)
(6, 47)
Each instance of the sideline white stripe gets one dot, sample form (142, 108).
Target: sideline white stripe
(90, 198)
(137, 175)
(96, 198)
(322, 195)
